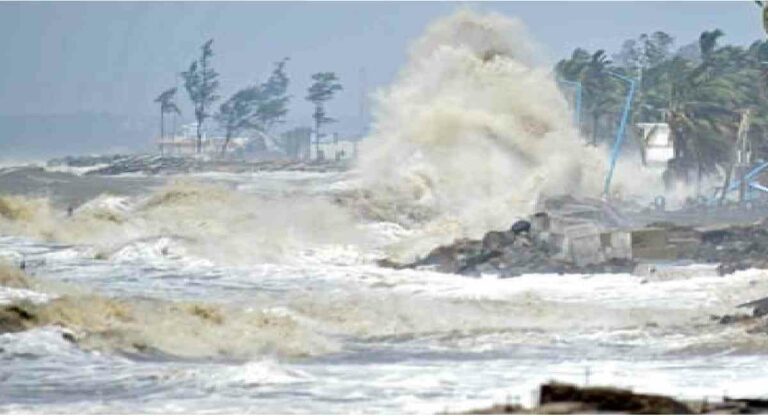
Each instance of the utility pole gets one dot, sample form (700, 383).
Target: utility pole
(620, 133)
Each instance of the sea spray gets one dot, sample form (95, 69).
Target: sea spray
(201, 220)
(473, 132)
(468, 138)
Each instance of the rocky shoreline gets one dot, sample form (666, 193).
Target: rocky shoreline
(507, 254)
(535, 246)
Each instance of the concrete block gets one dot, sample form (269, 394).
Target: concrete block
(540, 222)
(618, 245)
(583, 245)
(649, 237)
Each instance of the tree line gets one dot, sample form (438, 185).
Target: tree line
(255, 108)
(700, 89)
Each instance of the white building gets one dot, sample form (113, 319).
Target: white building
(657, 144)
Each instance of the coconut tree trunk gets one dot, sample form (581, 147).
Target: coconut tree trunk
(699, 173)
(199, 137)
(226, 142)
(726, 184)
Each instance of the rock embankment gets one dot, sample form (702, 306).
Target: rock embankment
(588, 248)
(507, 253)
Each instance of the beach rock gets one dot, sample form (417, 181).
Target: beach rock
(506, 254)
(16, 317)
(607, 399)
(520, 226)
(560, 398)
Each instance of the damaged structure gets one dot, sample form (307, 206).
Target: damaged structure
(591, 236)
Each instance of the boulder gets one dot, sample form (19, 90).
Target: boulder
(613, 400)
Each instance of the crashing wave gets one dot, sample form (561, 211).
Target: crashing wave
(473, 132)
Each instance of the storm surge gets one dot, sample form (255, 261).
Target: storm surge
(473, 132)
(187, 219)
(469, 137)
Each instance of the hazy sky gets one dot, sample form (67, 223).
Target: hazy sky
(116, 57)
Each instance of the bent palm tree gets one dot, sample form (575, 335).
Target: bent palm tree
(702, 110)
(165, 99)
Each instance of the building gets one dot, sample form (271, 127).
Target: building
(657, 144)
(331, 147)
(185, 143)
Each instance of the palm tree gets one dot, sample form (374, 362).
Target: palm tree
(600, 89)
(572, 69)
(702, 110)
(165, 99)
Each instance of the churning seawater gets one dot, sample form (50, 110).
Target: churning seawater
(260, 293)
(325, 330)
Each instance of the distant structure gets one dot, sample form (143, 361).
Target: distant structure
(657, 144)
(332, 147)
(185, 143)
(296, 144)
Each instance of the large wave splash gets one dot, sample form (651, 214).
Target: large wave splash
(473, 132)
(189, 219)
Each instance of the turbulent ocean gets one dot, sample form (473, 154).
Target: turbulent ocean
(260, 292)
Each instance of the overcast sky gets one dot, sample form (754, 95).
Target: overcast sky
(61, 57)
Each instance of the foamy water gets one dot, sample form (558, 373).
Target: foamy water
(260, 293)
(328, 331)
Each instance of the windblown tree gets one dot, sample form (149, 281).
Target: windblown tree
(324, 87)
(256, 108)
(758, 63)
(167, 106)
(603, 94)
(702, 111)
(642, 59)
(644, 52)
(236, 113)
(598, 88)
(201, 83)
(572, 69)
(701, 90)
(273, 103)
